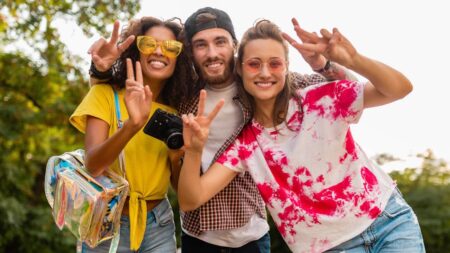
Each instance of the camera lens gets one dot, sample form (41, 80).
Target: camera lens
(175, 140)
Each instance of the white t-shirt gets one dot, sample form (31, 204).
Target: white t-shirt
(319, 186)
(226, 122)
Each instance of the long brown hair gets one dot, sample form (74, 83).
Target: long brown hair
(176, 88)
(264, 29)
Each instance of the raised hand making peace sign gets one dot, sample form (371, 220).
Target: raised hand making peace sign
(138, 97)
(314, 59)
(333, 45)
(105, 53)
(196, 128)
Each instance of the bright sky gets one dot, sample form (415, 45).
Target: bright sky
(411, 36)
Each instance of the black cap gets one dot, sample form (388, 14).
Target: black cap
(222, 20)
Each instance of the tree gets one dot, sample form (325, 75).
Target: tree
(38, 91)
(427, 191)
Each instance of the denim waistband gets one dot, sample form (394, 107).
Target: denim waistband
(152, 215)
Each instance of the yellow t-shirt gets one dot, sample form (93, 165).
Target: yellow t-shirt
(146, 158)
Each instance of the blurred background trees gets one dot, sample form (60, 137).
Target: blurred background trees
(427, 190)
(41, 86)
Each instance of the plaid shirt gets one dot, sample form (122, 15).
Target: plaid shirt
(233, 206)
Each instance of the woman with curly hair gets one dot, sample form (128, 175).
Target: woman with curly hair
(149, 71)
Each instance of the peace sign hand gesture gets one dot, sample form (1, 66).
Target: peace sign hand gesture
(138, 98)
(314, 59)
(196, 128)
(333, 45)
(105, 53)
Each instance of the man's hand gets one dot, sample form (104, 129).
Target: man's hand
(196, 128)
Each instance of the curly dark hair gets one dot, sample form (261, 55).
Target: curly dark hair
(177, 87)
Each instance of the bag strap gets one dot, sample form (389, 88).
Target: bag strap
(116, 103)
(112, 248)
(115, 240)
(119, 125)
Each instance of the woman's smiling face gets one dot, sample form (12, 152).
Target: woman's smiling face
(264, 68)
(156, 67)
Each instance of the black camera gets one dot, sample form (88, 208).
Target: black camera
(166, 127)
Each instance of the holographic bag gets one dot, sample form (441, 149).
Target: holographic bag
(90, 207)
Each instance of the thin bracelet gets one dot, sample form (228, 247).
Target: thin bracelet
(95, 73)
(325, 68)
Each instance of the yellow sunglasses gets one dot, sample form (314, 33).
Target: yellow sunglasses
(170, 48)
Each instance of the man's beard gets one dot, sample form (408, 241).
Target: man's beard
(219, 79)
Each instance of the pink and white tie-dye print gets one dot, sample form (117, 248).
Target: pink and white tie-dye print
(318, 185)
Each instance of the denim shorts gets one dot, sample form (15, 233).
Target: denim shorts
(159, 234)
(396, 230)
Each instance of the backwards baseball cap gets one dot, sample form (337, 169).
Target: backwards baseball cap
(219, 19)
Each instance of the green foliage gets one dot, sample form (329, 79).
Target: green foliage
(38, 92)
(91, 15)
(176, 212)
(427, 190)
(33, 126)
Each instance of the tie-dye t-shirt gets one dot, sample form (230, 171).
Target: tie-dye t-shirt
(319, 186)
